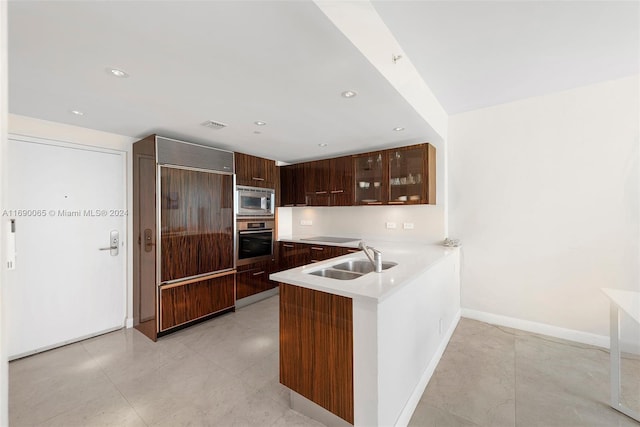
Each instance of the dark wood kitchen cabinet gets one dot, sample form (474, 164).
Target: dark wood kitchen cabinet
(398, 176)
(323, 252)
(255, 171)
(292, 185)
(191, 300)
(292, 255)
(329, 182)
(316, 348)
(253, 278)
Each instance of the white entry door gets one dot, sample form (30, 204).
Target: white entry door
(67, 201)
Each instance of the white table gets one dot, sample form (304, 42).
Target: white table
(629, 303)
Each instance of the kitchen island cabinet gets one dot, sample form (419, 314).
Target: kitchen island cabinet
(361, 351)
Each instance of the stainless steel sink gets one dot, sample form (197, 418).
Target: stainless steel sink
(361, 266)
(336, 274)
(350, 270)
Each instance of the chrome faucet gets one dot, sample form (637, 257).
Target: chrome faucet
(376, 260)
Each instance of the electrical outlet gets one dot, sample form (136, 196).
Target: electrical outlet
(391, 225)
(407, 226)
(306, 222)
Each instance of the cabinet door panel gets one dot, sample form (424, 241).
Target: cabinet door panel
(341, 175)
(180, 304)
(255, 171)
(316, 347)
(254, 280)
(369, 175)
(196, 220)
(292, 255)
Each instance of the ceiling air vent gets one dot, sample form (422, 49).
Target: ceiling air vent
(213, 125)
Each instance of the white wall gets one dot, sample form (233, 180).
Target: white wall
(544, 194)
(367, 222)
(21, 125)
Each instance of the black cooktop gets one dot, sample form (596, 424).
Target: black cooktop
(332, 239)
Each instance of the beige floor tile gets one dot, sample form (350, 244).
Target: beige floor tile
(562, 384)
(428, 416)
(38, 394)
(110, 409)
(225, 372)
(293, 418)
(475, 378)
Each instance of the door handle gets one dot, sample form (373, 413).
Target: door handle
(148, 240)
(114, 241)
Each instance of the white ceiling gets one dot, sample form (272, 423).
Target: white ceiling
(285, 63)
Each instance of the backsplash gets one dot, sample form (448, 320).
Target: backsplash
(424, 223)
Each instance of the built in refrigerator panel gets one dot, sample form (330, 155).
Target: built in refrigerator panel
(196, 223)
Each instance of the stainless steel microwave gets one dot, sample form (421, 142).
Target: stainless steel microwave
(255, 201)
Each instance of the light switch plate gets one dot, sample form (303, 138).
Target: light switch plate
(391, 225)
(306, 222)
(407, 226)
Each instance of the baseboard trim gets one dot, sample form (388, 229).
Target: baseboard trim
(538, 328)
(414, 399)
(243, 302)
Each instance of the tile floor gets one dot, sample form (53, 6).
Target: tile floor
(224, 372)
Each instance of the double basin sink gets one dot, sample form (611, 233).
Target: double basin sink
(350, 270)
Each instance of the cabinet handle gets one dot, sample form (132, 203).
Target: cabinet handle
(287, 246)
(258, 273)
(337, 191)
(321, 192)
(257, 179)
(353, 251)
(315, 248)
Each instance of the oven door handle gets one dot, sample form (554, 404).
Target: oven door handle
(255, 231)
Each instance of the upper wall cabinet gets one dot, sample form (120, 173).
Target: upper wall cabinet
(403, 176)
(255, 171)
(329, 182)
(399, 176)
(292, 185)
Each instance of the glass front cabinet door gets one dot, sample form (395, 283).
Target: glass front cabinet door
(398, 176)
(369, 179)
(409, 175)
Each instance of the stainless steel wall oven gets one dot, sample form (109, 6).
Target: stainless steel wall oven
(255, 241)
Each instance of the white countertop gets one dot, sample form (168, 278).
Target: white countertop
(412, 259)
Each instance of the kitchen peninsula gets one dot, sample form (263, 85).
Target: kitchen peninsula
(361, 351)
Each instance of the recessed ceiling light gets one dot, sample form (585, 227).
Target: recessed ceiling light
(77, 112)
(398, 129)
(260, 123)
(117, 73)
(348, 94)
(323, 144)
